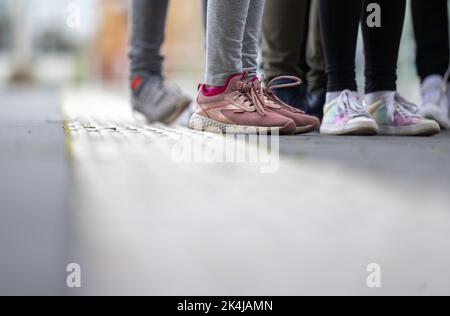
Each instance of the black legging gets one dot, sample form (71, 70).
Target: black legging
(340, 21)
(430, 19)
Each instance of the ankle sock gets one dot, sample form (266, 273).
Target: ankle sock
(213, 89)
(331, 96)
(373, 97)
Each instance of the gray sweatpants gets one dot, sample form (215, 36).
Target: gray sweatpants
(232, 38)
(148, 22)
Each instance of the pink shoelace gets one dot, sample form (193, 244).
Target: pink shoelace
(268, 90)
(252, 91)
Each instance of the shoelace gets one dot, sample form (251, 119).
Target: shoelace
(268, 90)
(349, 105)
(252, 92)
(396, 103)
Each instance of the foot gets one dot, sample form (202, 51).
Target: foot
(157, 101)
(435, 100)
(316, 102)
(304, 123)
(237, 108)
(346, 115)
(397, 117)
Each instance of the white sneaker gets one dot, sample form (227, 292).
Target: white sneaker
(346, 115)
(436, 100)
(397, 117)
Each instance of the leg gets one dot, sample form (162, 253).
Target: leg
(283, 37)
(339, 22)
(204, 13)
(229, 102)
(317, 79)
(344, 113)
(304, 40)
(382, 44)
(152, 98)
(252, 34)
(283, 46)
(226, 21)
(148, 21)
(430, 20)
(314, 53)
(395, 116)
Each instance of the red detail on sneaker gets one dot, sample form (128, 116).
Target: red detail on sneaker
(136, 83)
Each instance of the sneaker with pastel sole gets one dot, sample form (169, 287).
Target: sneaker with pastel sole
(237, 108)
(346, 115)
(397, 117)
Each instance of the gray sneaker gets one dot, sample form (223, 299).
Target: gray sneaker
(156, 100)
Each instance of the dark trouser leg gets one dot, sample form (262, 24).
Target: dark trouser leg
(148, 21)
(339, 22)
(382, 44)
(317, 79)
(430, 18)
(283, 36)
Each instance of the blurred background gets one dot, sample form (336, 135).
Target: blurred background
(63, 42)
(57, 43)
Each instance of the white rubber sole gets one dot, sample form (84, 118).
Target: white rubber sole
(204, 124)
(304, 129)
(352, 128)
(427, 128)
(437, 115)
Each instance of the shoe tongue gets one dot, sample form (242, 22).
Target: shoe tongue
(232, 83)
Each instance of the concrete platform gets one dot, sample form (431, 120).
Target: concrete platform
(148, 224)
(92, 186)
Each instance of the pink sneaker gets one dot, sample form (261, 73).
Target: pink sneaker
(304, 123)
(237, 108)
